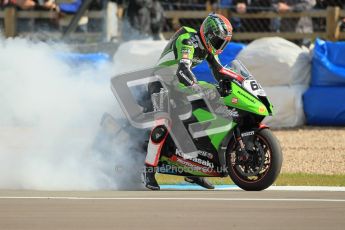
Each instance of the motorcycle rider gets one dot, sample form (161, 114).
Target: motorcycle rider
(186, 49)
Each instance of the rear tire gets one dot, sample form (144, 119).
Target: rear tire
(263, 170)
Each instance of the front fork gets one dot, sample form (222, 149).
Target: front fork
(241, 153)
(245, 142)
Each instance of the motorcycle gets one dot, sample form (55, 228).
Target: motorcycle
(246, 150)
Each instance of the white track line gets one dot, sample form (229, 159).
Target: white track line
(297, 188)
(308, 188)
(175, 198)
(272, 188)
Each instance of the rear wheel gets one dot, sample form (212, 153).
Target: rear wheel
(263, 166)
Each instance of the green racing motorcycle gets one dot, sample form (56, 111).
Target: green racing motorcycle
(247, 151)
(244, 148)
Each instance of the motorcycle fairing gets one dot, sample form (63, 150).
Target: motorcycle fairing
(242, 99)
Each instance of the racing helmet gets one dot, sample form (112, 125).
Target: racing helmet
(216, 33)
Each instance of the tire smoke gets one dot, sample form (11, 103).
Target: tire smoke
(50, 117)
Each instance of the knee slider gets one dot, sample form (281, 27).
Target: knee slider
(158, 133)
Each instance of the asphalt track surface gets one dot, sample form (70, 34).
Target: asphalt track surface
(231, 209)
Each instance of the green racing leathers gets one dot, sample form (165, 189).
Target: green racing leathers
(184, 51)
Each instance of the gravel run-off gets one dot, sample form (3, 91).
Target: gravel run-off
(319, 150)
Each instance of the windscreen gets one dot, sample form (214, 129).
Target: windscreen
(239, 68)
(249, 82)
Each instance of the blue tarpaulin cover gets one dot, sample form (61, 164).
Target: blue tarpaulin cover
(87, 58)
(325, 105)
(70, 8)
(203, 72)
(328, 65)
(225, 3)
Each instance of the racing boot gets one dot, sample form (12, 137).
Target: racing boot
(203, 182)
(149, 178)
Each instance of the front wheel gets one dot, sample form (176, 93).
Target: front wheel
(263, 166)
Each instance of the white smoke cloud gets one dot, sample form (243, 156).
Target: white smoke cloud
(50, 112)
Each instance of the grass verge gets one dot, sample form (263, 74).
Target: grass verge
(285, 179)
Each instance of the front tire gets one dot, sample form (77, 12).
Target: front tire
(264, 166)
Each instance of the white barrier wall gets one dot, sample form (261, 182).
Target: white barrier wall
(283, 69)
(288, 106)
(276, 61)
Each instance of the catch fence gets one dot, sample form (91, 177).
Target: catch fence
(257, 21)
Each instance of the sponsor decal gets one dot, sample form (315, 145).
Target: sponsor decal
(195, 42)
(206, 154)
(190, 165)
(197, 61)
(185, 77)
(197, 160)
(246, 134)
(185, 53)
(234, 100)
(186, 61)
(262, 109)
(203, 162)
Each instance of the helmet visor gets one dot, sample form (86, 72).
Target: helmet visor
(218, 43)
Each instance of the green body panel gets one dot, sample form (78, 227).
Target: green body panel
(180, 47)
(216, 139)
(241, 99)
(183, 48)
(189, 30)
